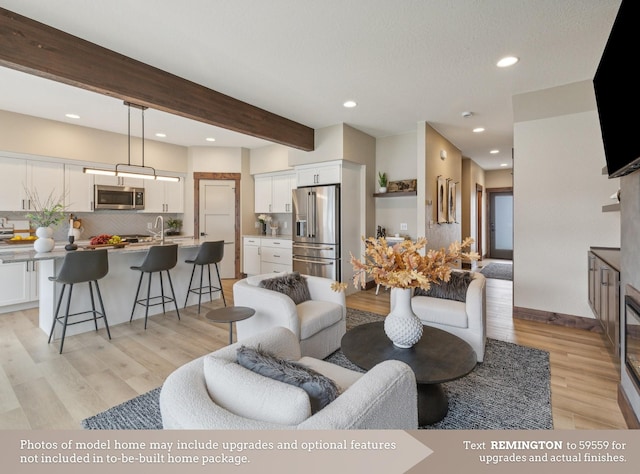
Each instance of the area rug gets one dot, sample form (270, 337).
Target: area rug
(500, 271)
(509, 390)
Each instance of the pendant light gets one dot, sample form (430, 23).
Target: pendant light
(127, 170)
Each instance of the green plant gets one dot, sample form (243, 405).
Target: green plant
(49, 212)
(382, 179)
(174, 224)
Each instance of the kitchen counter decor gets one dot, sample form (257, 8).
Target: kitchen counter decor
(44, 215)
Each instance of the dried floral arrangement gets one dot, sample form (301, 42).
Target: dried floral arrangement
(403, 266)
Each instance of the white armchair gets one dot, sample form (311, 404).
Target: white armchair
(214, 392)
(319, 323)
(466, 319)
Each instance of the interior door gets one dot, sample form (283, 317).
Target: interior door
(217, 219)
(501, 225)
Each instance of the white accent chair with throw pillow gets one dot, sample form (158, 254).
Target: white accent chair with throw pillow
(457, 306)
(302, 303)
(253, 385)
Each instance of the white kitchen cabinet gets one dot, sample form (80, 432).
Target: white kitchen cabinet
(78, 189)
(281, 186)
(251, 255)
(18, 283)
(275, 255)
(164, 196)
(118, 181)
(319, 173)
(273, 192)
(18, 175)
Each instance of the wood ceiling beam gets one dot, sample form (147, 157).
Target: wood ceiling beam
(35, 48)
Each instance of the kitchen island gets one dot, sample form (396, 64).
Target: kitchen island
(118, 287)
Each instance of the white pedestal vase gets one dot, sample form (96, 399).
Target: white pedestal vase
(44, 243)
(402, 325)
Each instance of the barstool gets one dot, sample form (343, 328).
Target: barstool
(210, 253)
(81, 267)
(159, 258)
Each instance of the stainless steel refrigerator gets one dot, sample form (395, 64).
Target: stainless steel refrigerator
(316, 231)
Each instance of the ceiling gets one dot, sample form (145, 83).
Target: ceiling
(402, 62)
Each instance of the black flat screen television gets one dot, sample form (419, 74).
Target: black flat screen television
(617, 89)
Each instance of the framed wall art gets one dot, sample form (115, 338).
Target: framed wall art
(451, 201)
(441, 200)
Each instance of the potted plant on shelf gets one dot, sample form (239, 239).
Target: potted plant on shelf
(44, 216)
(174, 226)
(382, 181)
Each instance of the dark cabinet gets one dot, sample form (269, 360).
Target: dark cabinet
(604, 297)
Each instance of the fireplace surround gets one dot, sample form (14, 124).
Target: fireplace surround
(632, 339)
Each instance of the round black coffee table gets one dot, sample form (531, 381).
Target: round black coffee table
(230, 314)
(437, 357)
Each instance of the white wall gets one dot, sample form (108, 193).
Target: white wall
(498, 178)
(49, 138)
(559, 192)
(396, 155)
(269, 158)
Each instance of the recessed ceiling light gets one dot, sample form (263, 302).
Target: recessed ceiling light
(494, 152)
(507, 61)
(72, 116)
(210, 139)
(161, 135)
(504, 164)
(350, 104)
(478, 130)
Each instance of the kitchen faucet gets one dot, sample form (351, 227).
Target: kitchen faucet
(155, 225)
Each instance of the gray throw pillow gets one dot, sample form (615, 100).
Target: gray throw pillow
(454, 289)
(321, 390)
(293, 285)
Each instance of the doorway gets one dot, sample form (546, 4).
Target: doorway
(217, 215)
(479, 220)
(500, 204)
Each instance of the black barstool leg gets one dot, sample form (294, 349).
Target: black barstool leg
(55, 317)
(189, 287)
(135, 300)
(175, 302)
(210, 288)
(200, 289)
(146, 309)
(220, 282)
(93, 306)
(66, 317)
(104, 313)
(164, 311)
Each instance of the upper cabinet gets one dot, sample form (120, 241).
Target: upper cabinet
(164, 196)
(18, 175)
(319, 173)
(273, 192)
(78, 187)
(118, 181)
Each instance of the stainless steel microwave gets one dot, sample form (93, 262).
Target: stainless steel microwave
(118, 197)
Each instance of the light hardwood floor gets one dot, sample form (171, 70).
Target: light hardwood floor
(40, 389)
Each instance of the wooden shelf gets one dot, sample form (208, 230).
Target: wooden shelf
(396, 194)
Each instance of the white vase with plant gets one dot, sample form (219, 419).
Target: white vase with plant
(402, 268)
(44, 216)
(382, 182)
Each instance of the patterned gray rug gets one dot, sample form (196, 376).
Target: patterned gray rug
(500, 271)
(509, 390)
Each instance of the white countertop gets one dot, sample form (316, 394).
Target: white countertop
(25, 253)
(268, 236)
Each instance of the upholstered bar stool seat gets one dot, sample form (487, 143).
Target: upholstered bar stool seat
(159, 258)
(81, 267)
(209, 253)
